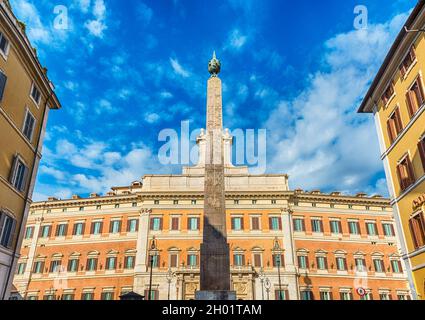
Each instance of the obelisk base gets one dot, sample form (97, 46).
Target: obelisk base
(215, 295)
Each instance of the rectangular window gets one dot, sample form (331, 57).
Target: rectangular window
(306, 295)
(237, 224)
(35, 94)
(371, 229)
(87, 296)
(45, 231)
(175, 223)
(154, 295)
(325, 295)
(108, 295)
(54, 266)
(61, 230)
(68, 296)
(407, 61)
(278, 260)
(91, 264)
(3, 80)
(4, 44)
(396, 266)
(322, 263)
(257, 260)
(38, 267)
(255, 223)
(275, 223)
(29, 232)
(379, 265)
(193, 224)
(303, 262)
(132, 225)
(415, 97)
(96, 227)
(19, 174)
(192, 260)
(421, 148)
(49, 297)
(21, 268)
(417, 229)
(281, 294)
(173, 260)
(239, 260)
(78, 229)
(345, 295)
(154, 260)
(115, 226)
(394, 125)
(341, 264)
(388, 229)
(335, 227)
(29, 124)
(7, 230)
(316, 225)
(73, 265)
(129, 262)
(111, 263)
(387, 94)
(354, 227)
(405, 173)
(360, 264)
(299, 225)
(156, 224)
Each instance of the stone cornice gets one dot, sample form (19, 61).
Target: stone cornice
(342, 199)
(85, 201)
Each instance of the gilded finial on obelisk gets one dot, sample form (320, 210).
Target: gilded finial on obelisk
(214, 66)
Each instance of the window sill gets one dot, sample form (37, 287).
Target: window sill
(389, 101)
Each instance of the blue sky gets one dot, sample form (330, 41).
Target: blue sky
(125, 70)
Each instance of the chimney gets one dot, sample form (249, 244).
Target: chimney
(94, 195)
(52, 199)
(76, 197)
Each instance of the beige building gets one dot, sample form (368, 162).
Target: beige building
(26, 96)
(397, 100)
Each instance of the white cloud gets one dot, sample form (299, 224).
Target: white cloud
(236, 39)
(97, 26)
(144, 13)
(57, 174)
(84, 5)
(178, 68)
(105, 107)
(152, 117)
(27, 12)
(318, 138)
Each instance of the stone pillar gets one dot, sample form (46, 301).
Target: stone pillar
(141, 267)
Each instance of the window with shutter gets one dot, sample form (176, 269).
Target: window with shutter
(387, 94)
(3, 80)
(174, 223)
(35, 94)
(405, 173)
(7, 230)
(407, 62)
(257, 260)
(19, 174)
(29, 124)
(421, 148)
(173, 261)
(417, 230)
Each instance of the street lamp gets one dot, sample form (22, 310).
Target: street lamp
(267, 285)
(151, 250)
(276, 248)
(170, 275)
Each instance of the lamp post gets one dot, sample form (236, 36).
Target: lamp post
(170, 275)
(276, 248)
(151, 250)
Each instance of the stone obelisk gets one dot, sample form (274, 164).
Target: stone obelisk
(215, 258)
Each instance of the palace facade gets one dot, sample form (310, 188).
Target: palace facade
(331, 246)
